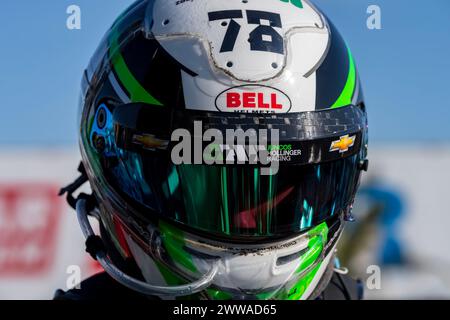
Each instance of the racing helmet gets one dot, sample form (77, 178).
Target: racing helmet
(221, 230)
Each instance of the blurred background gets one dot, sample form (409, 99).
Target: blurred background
(402, 208)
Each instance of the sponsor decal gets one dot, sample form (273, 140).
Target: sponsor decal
(343, 144)
(242, 153)
(253, 99)
(231, 147)
(283, 153)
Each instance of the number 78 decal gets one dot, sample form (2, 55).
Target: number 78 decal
(262, 38)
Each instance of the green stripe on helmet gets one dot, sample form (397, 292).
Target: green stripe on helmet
(318, 239)
(347, 93)
(134, 88)
(297, 291)
(173, 240)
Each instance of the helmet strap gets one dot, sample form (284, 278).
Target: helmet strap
(74, 186)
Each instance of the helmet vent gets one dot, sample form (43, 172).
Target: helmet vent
(198, 254)
(291, 257)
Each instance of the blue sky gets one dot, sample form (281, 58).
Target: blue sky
(404, 67)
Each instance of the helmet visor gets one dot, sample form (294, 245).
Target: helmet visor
(237, 200)
(231, 200)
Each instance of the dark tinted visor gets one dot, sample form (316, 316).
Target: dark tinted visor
(238, 200)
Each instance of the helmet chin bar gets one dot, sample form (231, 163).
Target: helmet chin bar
(133, 283)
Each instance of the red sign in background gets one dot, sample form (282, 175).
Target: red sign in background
(29, 217)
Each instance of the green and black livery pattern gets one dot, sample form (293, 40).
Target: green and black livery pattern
(337, 80)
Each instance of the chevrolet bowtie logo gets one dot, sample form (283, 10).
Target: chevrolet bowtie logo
(343, 144)
(148, 141)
